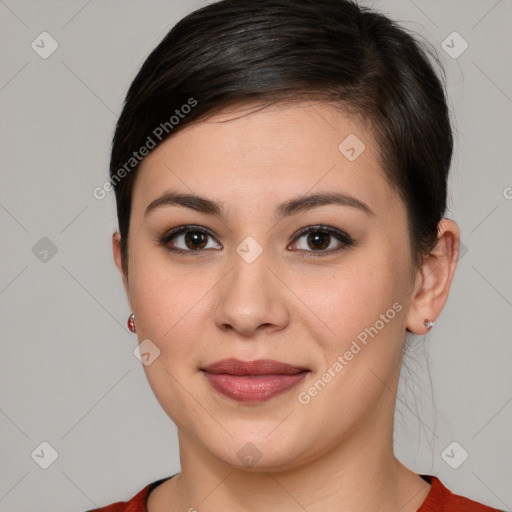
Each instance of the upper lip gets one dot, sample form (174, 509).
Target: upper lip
(256, 367)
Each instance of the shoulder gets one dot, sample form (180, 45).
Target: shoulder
(137, 503)
(441, 499)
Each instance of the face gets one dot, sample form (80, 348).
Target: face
(319, 285)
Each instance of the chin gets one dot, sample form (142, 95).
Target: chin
(258, 452)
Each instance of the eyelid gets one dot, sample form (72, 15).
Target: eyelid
(323, 228)
(178, 230)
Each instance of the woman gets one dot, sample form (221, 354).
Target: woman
(280, 171)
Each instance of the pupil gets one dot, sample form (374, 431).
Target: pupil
(320, 240)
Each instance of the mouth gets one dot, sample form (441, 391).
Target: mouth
(253, 381)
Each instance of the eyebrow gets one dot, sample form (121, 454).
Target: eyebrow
(288, 208)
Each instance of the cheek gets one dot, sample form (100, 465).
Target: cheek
(353, 297)
(364, 306)
(169, 312)
(166, 299)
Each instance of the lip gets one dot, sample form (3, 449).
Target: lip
(253, 381)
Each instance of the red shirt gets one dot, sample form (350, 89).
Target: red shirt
(439, 499)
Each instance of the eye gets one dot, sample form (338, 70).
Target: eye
(317, 239)
(187, 239)
(321, 239)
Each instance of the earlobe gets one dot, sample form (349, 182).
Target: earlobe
(434, 279)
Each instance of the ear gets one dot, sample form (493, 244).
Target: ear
(434, 278)
(118, 259)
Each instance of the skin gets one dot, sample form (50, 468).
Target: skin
(335, 452)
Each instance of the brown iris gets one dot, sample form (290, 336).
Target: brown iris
(196, 240)
(320, 240)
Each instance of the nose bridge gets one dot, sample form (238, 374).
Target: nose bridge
(249, 282)
(249, 296)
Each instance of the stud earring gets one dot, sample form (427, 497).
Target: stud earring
(428, 324)
(131, 322)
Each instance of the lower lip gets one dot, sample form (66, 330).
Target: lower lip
(253, 388)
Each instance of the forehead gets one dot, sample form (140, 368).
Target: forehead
(268, 153)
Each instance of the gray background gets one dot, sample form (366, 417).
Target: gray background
(68, 375)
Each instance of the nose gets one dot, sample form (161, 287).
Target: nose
(251, 298)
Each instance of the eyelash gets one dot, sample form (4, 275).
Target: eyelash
(345, 240)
